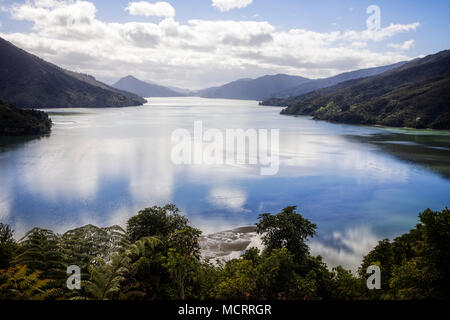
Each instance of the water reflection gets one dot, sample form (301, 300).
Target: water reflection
(428, 149)
(101, 166)
(347, 248)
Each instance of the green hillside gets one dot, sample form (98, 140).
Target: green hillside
(27, 81)
(18, 122)
(415, 95)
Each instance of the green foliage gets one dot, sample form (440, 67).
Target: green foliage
(18, 122)
(347, 286)
(382, 256)
(40, 249)
(171, 268)
(435, 247)
(7, 245)
(156, 221)
(183, 258)
(413, 266)
(181, 267)
(17, 283)
(287, 229)
(276, 274)
(415, 95)
(237, 281)
(86, 245)
(411, 281)
(105, 278)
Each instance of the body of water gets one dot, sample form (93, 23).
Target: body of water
(358, 184)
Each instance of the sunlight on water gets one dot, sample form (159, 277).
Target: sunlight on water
(100, 166)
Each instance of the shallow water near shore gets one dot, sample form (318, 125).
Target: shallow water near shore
(358, 184)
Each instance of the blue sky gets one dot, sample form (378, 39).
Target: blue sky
(174, 58)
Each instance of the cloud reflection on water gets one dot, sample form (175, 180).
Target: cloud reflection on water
(102, 166)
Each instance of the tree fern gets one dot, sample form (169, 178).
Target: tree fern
(17, 283)
(40, 249)
(106, 276)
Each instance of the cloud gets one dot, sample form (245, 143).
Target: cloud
(403, 46)
(158, 9)
(5, 205)
(228, 198)
(378, 35)
(193, 54)
(349, 248)
(227, 5)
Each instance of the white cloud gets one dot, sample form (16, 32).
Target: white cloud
(158, 9)
(380, 35)
(227, 5)
(194, 54)
(5, 205)
(228, 198)
(354, 245)
(402, 46)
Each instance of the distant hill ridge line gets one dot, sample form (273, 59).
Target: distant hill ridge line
(28, 81)
(145, 89)
(331, 81)
(261, 88)
(414, 95)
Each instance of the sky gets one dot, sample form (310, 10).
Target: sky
(201, 43)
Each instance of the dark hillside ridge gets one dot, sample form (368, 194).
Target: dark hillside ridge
(18, 122)
(27, 81)
(416, 95)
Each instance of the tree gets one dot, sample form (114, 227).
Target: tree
(89, 244)
(382, 256)
(104, 282)
(106, 277)
(181, 267)
(40, 249)
(411, 281)
(305, 287)
(237, 281)
(186, 241)
(183, 258)
(435, 248)
(7, 245)
(171, 269)
(287, 229)
(276, 274)
(415, 265)
(347, 286)
(156, 221)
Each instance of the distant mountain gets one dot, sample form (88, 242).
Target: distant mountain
(328, 82)
(253, 89)
(145, 89)
(18, 122)
(186, 92)
(27, 81)
(414, 95)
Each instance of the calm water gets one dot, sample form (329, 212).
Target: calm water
(358, 184)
